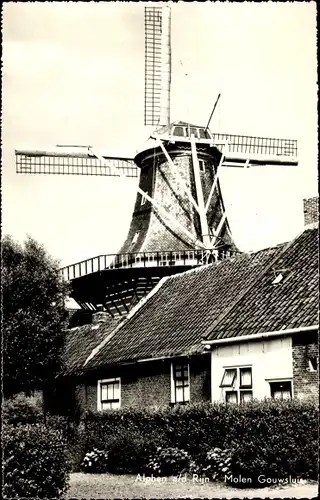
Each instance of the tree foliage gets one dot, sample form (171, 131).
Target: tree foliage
(34, 315)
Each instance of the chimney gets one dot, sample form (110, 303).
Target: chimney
(100, 316)
(311, 211)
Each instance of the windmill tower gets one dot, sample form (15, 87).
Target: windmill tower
(179, 219)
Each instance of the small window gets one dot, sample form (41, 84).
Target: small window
(178, 131)
(229, 377)
(232, 397)
(180, 383)
(281, 390)
(280, 276)
(143, 200)
(135, 238)
(278, 279)
(202, 166)
(245, 378)
(245, 396)
(194, 131)
(312, 364)
(109, 394)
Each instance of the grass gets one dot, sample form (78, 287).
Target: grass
(127, 486)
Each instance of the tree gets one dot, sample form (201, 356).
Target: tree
(34, 316)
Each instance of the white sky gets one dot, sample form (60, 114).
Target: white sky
(73, 73)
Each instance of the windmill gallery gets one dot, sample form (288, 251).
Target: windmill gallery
(179, 314)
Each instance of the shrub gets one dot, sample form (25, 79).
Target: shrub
(215, 464)
(169, 461)
(95, 462)
(73, 436)
(21, 410)
(34, 462)
(275, 438)
(129, 453)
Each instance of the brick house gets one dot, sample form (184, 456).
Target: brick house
(266, 343)
(240, 328)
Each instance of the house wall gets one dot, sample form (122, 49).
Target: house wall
(306, 381)
(270, 359)
(147, 384)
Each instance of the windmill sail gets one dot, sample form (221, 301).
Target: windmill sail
(157, 65)
(72, 161)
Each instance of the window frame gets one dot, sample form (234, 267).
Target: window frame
(202, 166)
(173, 366)
(235, 385)
(285, 381)
(312, 364)
(224, 375)
(106, 381)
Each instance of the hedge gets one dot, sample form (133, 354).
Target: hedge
(34, 461)
(271, 437)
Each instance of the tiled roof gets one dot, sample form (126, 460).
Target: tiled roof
(227, 299)
(292, 303)
(79, 343)
(173, 320)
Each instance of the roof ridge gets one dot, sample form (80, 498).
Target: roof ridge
(250, 286)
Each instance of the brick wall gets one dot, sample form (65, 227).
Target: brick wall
(305, 381)
(147, 384)
(311, 210)
(160, 181)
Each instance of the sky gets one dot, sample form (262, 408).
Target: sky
(73, 73)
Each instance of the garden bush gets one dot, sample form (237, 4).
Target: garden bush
(272, 437)
(21, 410)
(95, 462)
(214, 464)
(275, 439)
(129, 453)
(34, 461)
(169, 461)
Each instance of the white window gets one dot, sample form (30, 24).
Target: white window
(108, 394)
(135, 238)
(281, 389)
(202, 166)
(312, 364)
(236, 384)
(180, 382)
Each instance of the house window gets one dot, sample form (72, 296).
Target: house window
(178, 131)
(202, 166)
(281, 390)
(313, 364)
(237, 384)
(180, 382)
(109, 394)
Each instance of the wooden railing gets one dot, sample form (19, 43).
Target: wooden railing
(194, 257)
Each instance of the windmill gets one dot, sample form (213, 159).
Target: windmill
(179, 219)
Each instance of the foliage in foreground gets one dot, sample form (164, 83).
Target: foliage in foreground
(273, 438)
(34, 462)
(34, 315)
